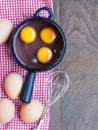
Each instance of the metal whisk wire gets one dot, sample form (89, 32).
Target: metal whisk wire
(60, 84)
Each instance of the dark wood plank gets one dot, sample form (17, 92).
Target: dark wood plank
(79, 107)
(55, 122)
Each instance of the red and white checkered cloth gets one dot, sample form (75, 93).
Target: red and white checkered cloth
(17, 11)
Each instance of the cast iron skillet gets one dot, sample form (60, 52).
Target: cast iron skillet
(25, 55)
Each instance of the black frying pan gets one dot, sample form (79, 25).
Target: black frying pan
(25, 54)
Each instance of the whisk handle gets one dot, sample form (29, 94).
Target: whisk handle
(39, 125)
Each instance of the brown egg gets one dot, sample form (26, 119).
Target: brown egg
(31, 112)
(13, 85)
(7, 110)
(6, 28)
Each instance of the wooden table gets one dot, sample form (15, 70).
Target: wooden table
(78, 109)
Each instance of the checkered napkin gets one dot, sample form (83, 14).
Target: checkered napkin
(17, 11)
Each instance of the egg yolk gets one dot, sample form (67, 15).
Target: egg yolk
(48, 35)
(28, 34)
(44, 55)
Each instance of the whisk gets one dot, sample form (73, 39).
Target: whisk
(60, 84)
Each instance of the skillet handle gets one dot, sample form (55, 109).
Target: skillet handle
(37, 13)
(26, 92)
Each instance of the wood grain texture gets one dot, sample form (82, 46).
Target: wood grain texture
(78, 109)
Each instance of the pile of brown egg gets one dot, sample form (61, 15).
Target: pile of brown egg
(13, 84)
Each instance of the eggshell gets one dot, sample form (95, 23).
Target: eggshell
(31, 112)
(7, 110)
(13, 85)
(6, 28)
